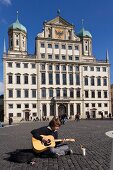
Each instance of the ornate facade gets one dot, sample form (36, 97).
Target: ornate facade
(62, 76)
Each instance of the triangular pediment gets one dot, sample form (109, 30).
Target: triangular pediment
(59, 21)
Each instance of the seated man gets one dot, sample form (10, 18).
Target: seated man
(51, 129)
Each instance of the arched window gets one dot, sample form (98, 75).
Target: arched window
(71, 109)
(69, 32)
(49, 32)
(17, 42)
(44, 110)
(78, 108)
(51, 109)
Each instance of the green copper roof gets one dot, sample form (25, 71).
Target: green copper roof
(84, 33)
(17, 25)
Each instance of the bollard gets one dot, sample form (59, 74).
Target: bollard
(110, 134)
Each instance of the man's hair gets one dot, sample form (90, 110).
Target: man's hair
(55, 122)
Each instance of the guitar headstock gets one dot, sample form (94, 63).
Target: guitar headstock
(72, 140)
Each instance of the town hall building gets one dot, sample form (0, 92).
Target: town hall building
(61, 77)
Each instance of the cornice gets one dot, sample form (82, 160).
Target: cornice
(57, 40)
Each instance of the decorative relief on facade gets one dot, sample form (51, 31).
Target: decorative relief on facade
(59, 33)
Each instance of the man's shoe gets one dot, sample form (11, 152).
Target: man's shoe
(56, 155)
(69, 152)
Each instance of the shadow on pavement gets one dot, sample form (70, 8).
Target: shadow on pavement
(21, 156)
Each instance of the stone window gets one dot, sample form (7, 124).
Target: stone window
(71, 110)
(71, 93)
(99, 104)
(18, 106)
(18, 114)
(86, 93)
(33, 79)
(44, 92)
(56, 46)
(33, 105)
(18, 65)
(10, 106)
(10, 114)
(10, 93)
(25, 65)
(71, 79)
(49, 45)
(93, 104)
(10, 79)
(33, 65)
(26, 93)
(63, 47)
(99, 94)
(10, 64)
(43, 78)
(57, 79)
(18, 93)
(33, 93)
(86, 104)
(42, 55)
(64, 79)
(92, 94)
(51, 92)
(50, 78)
(26, 106)
(26, 79)
(86, 81)
(42, 45)
(63, 57)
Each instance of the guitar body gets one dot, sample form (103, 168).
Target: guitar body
(39, 147)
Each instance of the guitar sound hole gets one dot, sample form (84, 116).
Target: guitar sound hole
(48, 143)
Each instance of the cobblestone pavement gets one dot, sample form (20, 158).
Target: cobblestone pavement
(91, 133)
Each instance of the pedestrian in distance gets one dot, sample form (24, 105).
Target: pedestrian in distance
(77, 117)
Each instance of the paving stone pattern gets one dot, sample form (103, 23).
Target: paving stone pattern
(90, 133)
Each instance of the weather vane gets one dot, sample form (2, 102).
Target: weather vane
(17, 14)
(82, 22)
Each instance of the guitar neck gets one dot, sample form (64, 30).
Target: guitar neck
(60, 140)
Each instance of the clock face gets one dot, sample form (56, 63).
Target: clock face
(59, 33)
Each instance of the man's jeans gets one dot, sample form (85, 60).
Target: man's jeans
(60, 149)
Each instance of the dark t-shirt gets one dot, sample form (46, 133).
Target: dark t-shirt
(43, 131)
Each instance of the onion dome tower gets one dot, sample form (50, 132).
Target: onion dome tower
(17, 34)
(86, 38)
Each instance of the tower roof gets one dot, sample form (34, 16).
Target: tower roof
(17, 25)
(84, 33)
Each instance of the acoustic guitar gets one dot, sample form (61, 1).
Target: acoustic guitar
(39, 147)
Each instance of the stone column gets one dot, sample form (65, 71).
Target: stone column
(46, 75)
(54, 82)
(56, 109)
(46, 46)
(68, 110)
(48, 109)
(75, 110)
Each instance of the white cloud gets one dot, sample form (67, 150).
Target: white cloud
(1, 88)
(6, 2)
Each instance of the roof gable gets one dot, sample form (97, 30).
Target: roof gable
(59, 21)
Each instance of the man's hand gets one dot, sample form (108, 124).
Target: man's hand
(63, 140)
(45, 140)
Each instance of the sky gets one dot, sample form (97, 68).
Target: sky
(97, 15)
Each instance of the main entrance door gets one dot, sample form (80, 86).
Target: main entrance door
(61, 109)
(27, 116)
